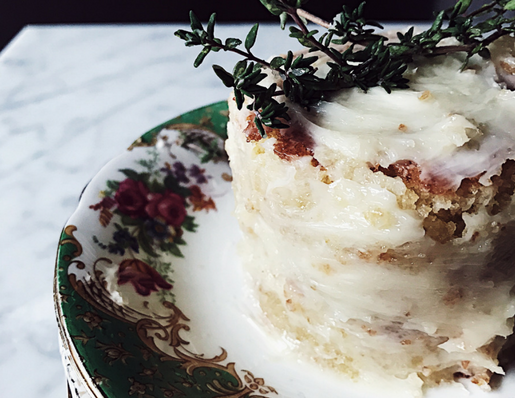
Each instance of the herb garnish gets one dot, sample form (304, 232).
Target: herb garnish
(368, 61)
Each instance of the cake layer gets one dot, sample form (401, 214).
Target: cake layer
(378, 228)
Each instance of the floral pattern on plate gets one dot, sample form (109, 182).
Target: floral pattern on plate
(115, 289)
(150, 207)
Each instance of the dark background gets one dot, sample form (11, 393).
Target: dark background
(14, 14)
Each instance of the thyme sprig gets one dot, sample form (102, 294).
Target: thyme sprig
(366, 60)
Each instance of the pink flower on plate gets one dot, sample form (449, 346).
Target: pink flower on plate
(143, 277)
(167, 206)
(131, 198)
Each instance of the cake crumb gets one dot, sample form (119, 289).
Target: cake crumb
(327, 180)
(474, 236)
(325, 268)
(507, 67)
(257, 150)
(425, 95)
(387, 256)
(364, 255)
(371, 332)
(481, 379)
(453, 296)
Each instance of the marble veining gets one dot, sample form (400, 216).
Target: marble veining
(72, 98)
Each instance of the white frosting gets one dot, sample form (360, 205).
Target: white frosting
(429, 123)
(318, 239)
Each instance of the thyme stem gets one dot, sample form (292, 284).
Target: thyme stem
(247, 55)
(313, 18)
(292, 12)
(482, 9)
(442, 50)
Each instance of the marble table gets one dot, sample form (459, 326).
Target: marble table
(71, 98)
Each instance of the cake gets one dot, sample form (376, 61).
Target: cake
(378, 229)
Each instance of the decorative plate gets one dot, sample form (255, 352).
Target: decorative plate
(150, 298)
(125, 255)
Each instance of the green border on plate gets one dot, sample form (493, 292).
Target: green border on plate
(214, 115)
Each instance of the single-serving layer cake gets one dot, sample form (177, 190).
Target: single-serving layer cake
(379, 228)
